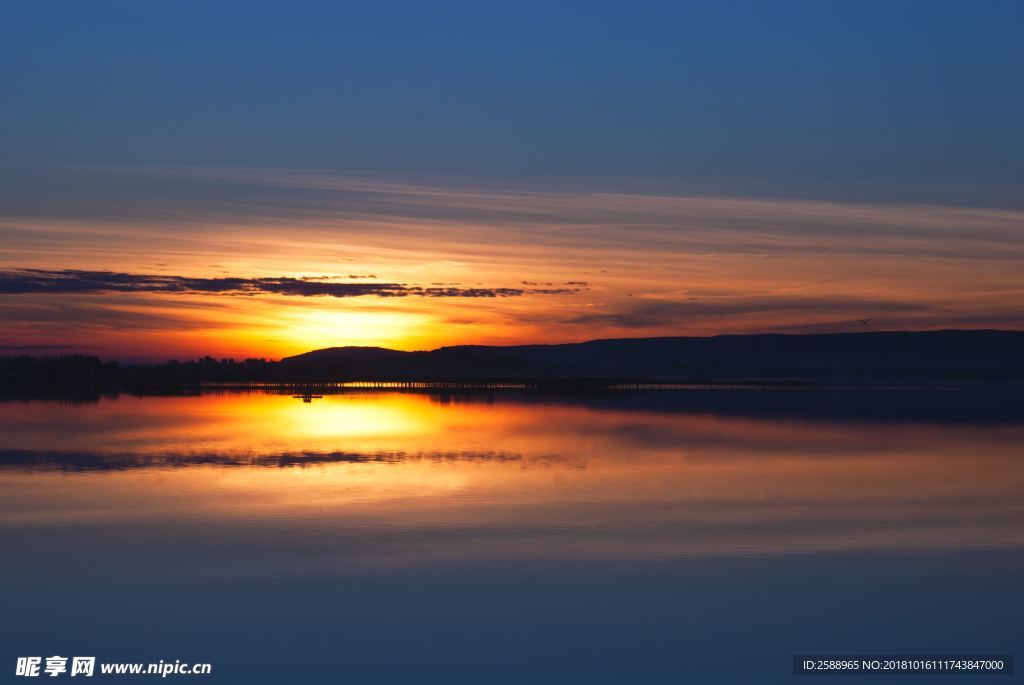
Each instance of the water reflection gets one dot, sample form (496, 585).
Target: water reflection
(279, 486)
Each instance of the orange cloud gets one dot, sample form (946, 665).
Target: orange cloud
(655, 264)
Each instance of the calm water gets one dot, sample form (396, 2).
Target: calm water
(417, 538)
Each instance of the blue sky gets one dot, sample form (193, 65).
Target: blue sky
(363, 173)
(781, 93)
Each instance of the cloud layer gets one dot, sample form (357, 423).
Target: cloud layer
(75, 281)
(182, 262)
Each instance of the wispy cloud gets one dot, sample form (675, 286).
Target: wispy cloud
(648, 313)
(35, 348)
(67, 281)
(436, 261)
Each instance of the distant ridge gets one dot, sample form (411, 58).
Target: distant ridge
(988, 354)
(350, 352)
(992, 361)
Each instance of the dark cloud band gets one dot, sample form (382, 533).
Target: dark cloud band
(72, 281)
(648, 313)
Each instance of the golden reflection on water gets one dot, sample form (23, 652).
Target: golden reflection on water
(410, 478)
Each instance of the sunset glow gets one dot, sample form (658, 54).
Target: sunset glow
(425, 264)
(511, 343)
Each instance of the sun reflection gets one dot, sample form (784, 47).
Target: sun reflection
(346, 419)
(607, 481)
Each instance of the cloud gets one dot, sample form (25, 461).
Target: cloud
(35, 348)
(437, 246)
(74, 281)
(649, 313)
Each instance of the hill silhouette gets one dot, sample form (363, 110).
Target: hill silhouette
(883, 355)
(907, 358)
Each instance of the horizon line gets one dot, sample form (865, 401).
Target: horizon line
(8, 350)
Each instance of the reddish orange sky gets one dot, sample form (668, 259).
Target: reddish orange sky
(423, 263)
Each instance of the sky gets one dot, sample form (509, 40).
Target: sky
(261, 179)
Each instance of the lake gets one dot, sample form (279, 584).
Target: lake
(390, 537)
